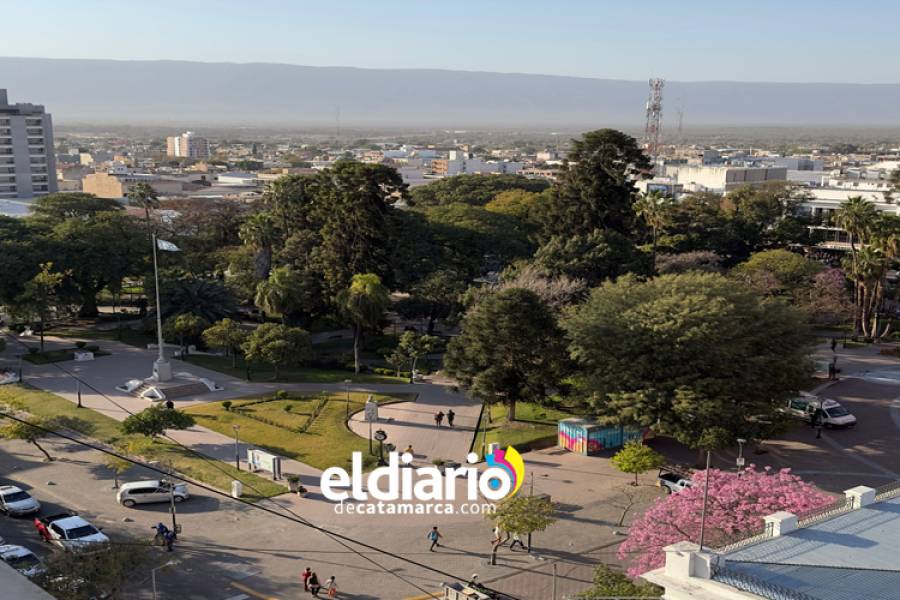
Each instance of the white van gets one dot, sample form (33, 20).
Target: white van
(805, 406)
(145, 492)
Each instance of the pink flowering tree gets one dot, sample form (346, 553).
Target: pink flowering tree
(737, 504)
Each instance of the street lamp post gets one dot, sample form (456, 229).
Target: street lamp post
(171, 563)
(555, 572)
(705, 500)
(237, 441)
(162, 370)
(740, 458)
(347, 383)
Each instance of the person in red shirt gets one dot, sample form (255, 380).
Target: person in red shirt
(42, 530)
(305, 576)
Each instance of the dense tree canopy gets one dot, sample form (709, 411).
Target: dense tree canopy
(477, 190)
(689, 355)
(510, 349)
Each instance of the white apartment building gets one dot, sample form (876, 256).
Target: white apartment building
(187, 145)
(27, 160)
(722, 179)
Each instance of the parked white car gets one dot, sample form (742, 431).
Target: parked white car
(145, 492)
(833, 414)
(15, 501)
(21, 559)
(72, 532)
(673, 482)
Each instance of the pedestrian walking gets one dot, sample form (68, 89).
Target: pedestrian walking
(439, 418)
(170, 405)
(305, 577)
(450, 416)
(42, 530)
(409, 450)
(833, 344)
(435, 536)
(169, 538)
(331, 587)
(818, 419)
(314, 585)
(516, 540)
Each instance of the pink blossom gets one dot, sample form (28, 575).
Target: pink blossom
(737, 504)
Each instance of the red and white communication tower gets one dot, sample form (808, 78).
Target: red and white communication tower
(654, 117)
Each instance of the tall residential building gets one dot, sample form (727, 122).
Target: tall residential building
(187, 145)
(27, 161)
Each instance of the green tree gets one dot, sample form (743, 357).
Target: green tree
(284, 293)
(792, 272)
(363, 304)
(226, 335)
(118, 466)
(186, 328)
(636, 458)
(518, 203)
(610, 583)
(593, 257)
(644, 353)
(92, 575)
(411, 348)
(523, 515)
(55, 208)
(143, 195)
(277, 346)
(40, 296)
(653, 208)
(154, 421)
(20, 252)
(595, 188)
(435, 297)
(477, 190)
(260, 233)
(31, 432)
(206, 298)
(509, 349)
(857, 216)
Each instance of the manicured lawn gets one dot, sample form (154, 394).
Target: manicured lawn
(327, 443)
(129, 336)
(222, 364)
(300, 410)
(534, 425)
(105, 429)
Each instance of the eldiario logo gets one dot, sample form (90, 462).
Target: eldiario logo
(423, 490)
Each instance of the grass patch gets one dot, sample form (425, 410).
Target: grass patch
(59, 355)
(222, 364)
(129, 336)
(106, 430)
(327, 443)
(534, 426)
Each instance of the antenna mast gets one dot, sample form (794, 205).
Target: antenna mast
(654, 117)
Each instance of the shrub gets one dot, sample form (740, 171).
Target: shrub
(281, 395)
(227, 405)
(287, 408)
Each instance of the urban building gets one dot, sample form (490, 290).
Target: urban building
(722, 179)
(116, 186)
(847, 551)
(461, 162)
(27, 159)
(187, 145)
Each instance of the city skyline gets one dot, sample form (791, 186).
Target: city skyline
(767, 41)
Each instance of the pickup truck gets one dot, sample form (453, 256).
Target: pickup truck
(71, 532)
(673, 481)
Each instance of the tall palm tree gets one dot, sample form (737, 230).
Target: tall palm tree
(857, 216)
(655, 210)
(281, 293)
(259, 231)
(364, 303)
(143, 195)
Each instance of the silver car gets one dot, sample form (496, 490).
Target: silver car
(16, 502)
(145, 492)
(21, 559)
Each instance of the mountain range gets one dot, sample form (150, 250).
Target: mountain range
(79, 91)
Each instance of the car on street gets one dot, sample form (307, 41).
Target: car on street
(15, 501)
(673, 481)
(72, 532)
(21, 559)
(832, 413)
(145, 492)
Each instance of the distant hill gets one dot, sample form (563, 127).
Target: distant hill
(262, 94)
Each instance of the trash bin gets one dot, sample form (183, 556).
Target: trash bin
(237, 489)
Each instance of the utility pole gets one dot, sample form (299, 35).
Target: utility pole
(653, 127)
(78, 389)
(237, 454)
(705, 500)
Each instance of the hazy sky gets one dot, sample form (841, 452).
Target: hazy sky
(688, 40)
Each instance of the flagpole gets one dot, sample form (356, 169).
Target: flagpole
(162, 370)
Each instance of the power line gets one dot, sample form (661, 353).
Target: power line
(212, 490)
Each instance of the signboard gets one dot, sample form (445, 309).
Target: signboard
(259, 460)
(371, 410)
